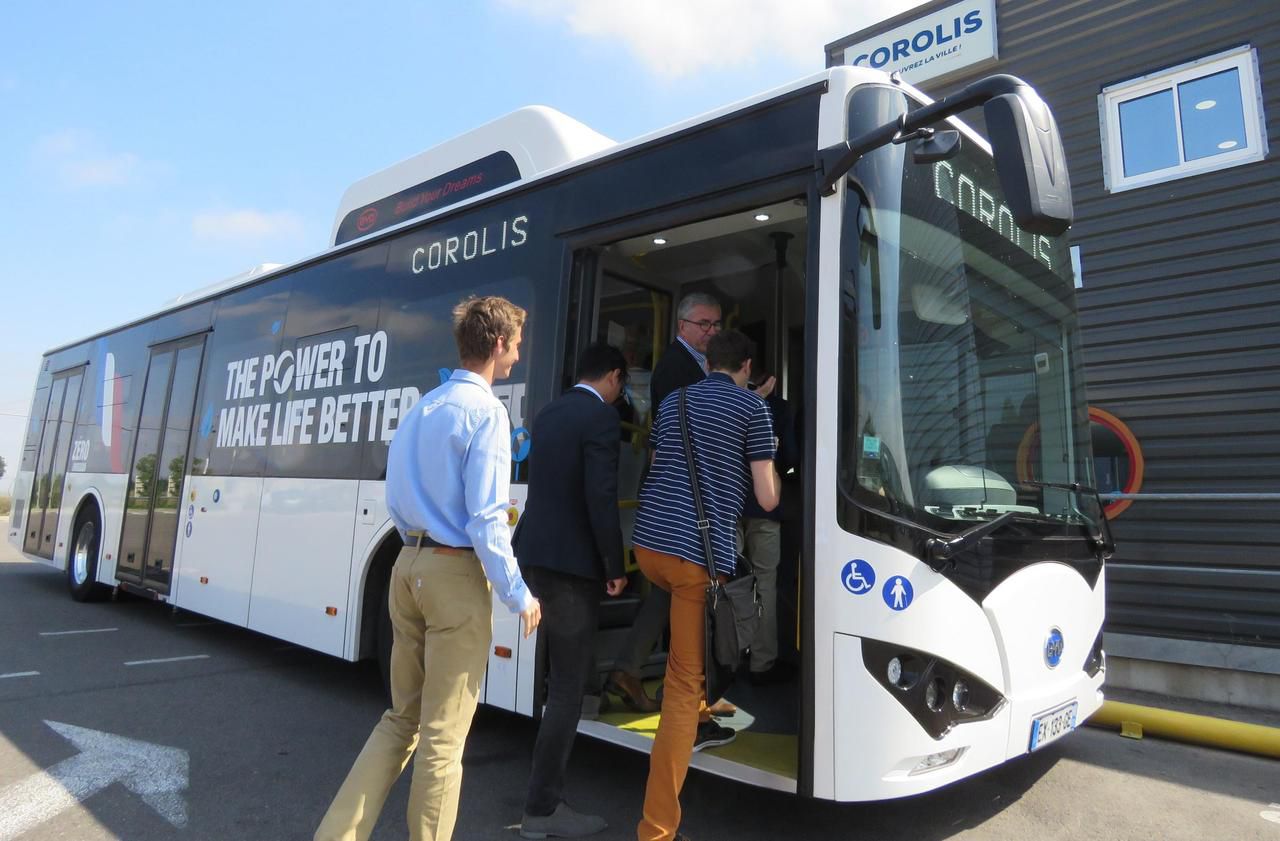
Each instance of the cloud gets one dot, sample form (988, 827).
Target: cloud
(100, 172)
(246, 225)
(78, 160)
(679, 38)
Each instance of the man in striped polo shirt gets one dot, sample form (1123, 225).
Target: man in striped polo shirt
(733, 444)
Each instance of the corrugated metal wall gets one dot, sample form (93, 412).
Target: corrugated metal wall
(1181, 312)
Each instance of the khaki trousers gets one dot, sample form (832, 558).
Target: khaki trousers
(683, 692)
(441, 615)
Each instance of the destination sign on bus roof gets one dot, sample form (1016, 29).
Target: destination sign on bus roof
(487, 173)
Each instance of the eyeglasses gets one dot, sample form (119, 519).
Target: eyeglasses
(706, 325)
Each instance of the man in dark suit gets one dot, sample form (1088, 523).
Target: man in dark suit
(685, 360)
(569, 545)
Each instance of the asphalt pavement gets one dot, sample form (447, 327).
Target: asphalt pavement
(128, 720)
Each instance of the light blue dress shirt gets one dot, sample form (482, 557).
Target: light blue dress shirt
(698, 356)
(449, 473)
(586, 387)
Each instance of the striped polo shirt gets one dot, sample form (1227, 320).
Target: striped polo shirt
(729, 427)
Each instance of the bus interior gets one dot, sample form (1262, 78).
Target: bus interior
(753, 262)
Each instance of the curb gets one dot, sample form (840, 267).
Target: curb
(1135, 721)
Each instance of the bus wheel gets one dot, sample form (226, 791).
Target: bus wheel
(385, 636)
(82, 565)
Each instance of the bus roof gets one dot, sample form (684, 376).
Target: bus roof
(550, 136)
(536, 138)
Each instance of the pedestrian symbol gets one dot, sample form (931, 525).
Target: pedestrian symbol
(898, 593)
(858, 577)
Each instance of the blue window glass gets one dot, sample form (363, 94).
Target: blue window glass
(1212, 115)
(1148, 133)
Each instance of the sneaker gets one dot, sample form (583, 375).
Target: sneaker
(712, 735)
(564, 822)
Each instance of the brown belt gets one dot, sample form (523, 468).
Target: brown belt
(422, 540)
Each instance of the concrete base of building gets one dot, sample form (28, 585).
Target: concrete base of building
(1239, 676)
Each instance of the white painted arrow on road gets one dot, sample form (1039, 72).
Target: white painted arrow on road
(156, 773)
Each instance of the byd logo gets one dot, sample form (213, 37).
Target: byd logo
(1053, 648)
(367, 219)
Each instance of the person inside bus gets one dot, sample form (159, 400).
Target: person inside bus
(448, 471)
(732, 433)
(683, 363)
(761, 539)
(569, 544)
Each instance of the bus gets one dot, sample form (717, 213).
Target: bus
(908, 282)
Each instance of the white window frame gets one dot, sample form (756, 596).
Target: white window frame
(1243, 59)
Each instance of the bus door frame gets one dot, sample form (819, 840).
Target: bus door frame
(173, 346)
(37, 533)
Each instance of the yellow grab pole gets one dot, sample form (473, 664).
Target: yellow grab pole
(1136, 720)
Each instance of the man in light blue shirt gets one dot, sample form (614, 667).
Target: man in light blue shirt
(448, 477)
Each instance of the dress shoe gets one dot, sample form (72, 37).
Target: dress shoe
(562, 823)
(631, 690)
(722, 709)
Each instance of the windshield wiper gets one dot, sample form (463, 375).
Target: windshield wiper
(1101, 539)
(940, 553)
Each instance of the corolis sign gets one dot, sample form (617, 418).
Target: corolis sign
(942, 42)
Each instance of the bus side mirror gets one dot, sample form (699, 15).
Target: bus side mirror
(1030, 161)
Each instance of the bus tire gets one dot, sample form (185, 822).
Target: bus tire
(82, 562)
(385, 635)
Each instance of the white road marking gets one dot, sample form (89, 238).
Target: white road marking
(166, 660)
(156, 773)
(1274, 817)
(19, 674)
(85, 631)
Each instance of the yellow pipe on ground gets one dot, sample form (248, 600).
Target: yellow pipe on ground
(1136, 721)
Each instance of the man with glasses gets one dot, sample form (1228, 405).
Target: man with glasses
(685, 360)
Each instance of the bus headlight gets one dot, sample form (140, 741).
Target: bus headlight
(922, 684)
(904, 672)
(934, 761)
(934, 693)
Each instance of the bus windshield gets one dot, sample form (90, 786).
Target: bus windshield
(962, 389)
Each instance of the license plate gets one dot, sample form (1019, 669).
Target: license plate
(1053, 725)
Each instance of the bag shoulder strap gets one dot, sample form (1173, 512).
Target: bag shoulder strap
(704, 525)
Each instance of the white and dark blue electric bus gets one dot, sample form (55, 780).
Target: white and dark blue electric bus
(908, 281)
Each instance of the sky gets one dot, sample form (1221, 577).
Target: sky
(148, 149)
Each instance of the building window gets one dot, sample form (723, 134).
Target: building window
(1198, 117)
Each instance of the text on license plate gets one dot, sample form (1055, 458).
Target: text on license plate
(1052, 725)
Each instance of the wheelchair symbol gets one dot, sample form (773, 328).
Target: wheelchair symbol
(858, 577)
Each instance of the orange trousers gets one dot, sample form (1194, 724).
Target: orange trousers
(682, 695)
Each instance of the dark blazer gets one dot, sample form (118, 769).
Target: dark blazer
(571, 522)
(676, 369)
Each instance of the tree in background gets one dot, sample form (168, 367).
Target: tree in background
(1, 467)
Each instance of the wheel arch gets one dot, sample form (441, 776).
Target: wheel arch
(377, 570)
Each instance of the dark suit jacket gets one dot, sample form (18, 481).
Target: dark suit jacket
(571, 521)
(676, 369)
